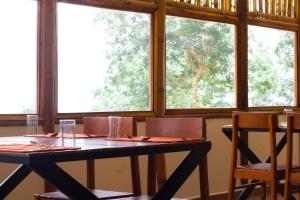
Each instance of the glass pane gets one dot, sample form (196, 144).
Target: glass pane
(270, 67)
(200, 64)
(18, 60)
(103, 60)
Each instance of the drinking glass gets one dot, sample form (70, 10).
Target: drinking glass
(115, 124)
(32, 124)
(67, 126)
(285, 112)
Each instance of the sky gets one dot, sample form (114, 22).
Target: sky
(17, 55)
(81, 48)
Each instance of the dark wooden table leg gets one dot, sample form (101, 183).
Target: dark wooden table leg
(243, 148)
(61, 180)
(179, 176)
(13, 180)
(203, 171)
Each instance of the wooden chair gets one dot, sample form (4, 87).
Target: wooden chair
(99, 125)
(174, 127)
(270, 172)
(292, 175)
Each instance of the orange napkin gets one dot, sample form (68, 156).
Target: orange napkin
(27, 148)
(156, 139)
(66, 135)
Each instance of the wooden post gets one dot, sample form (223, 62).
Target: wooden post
(297, 69)
(279, 7)
(272, 7)
(284, 8)
(227, 5)
(289, 8)
(159, 59)
(159, 76)
(260, 6)
(47, 60)
(254, 6)
(266, 6)
(216, 3)
(207, 3)
(297, 5)
(223, 5)
(297, 77)
(241, 54)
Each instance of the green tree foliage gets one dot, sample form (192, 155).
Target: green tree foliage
(270, 69)
(127, 84)
(199, 63)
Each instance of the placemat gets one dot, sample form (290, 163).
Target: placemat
(66, 135)
(27, 148)
(156, 139)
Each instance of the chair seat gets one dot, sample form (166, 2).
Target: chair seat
(101, 194)
(261, 166)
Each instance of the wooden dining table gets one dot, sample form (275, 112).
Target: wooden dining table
(250, 155)
(44, 163)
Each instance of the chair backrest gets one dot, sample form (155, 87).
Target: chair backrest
(176, 127)
(100, 125)
(293, 122)
(291, 176)
(253, 120)
(169, 127)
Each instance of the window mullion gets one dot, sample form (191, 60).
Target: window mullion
(241, 79)
(47, 63)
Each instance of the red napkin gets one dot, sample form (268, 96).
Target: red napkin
(66, 135)
(27, 148)
(156, 139)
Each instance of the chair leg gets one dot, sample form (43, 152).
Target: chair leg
(204, 185)
(287, 190)
(263, 191)
(135, 174)
(151, 175)
(160, 170)
(232, 183)
(90, 170)
(273, 190)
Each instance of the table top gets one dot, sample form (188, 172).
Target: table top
(281, 128)
(92, 148)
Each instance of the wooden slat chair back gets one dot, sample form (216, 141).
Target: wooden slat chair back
(174, 127)
(270, 172)
(100, 126)
(292, 175)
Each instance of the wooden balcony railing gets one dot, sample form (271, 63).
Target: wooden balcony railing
(221, 5)
(283, 10)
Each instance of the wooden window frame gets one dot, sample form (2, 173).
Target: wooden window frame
(159, 9)
(126, 5)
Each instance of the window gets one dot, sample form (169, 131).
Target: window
(18, 60)
(199, 64)
(270, 67)
(103, 60)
